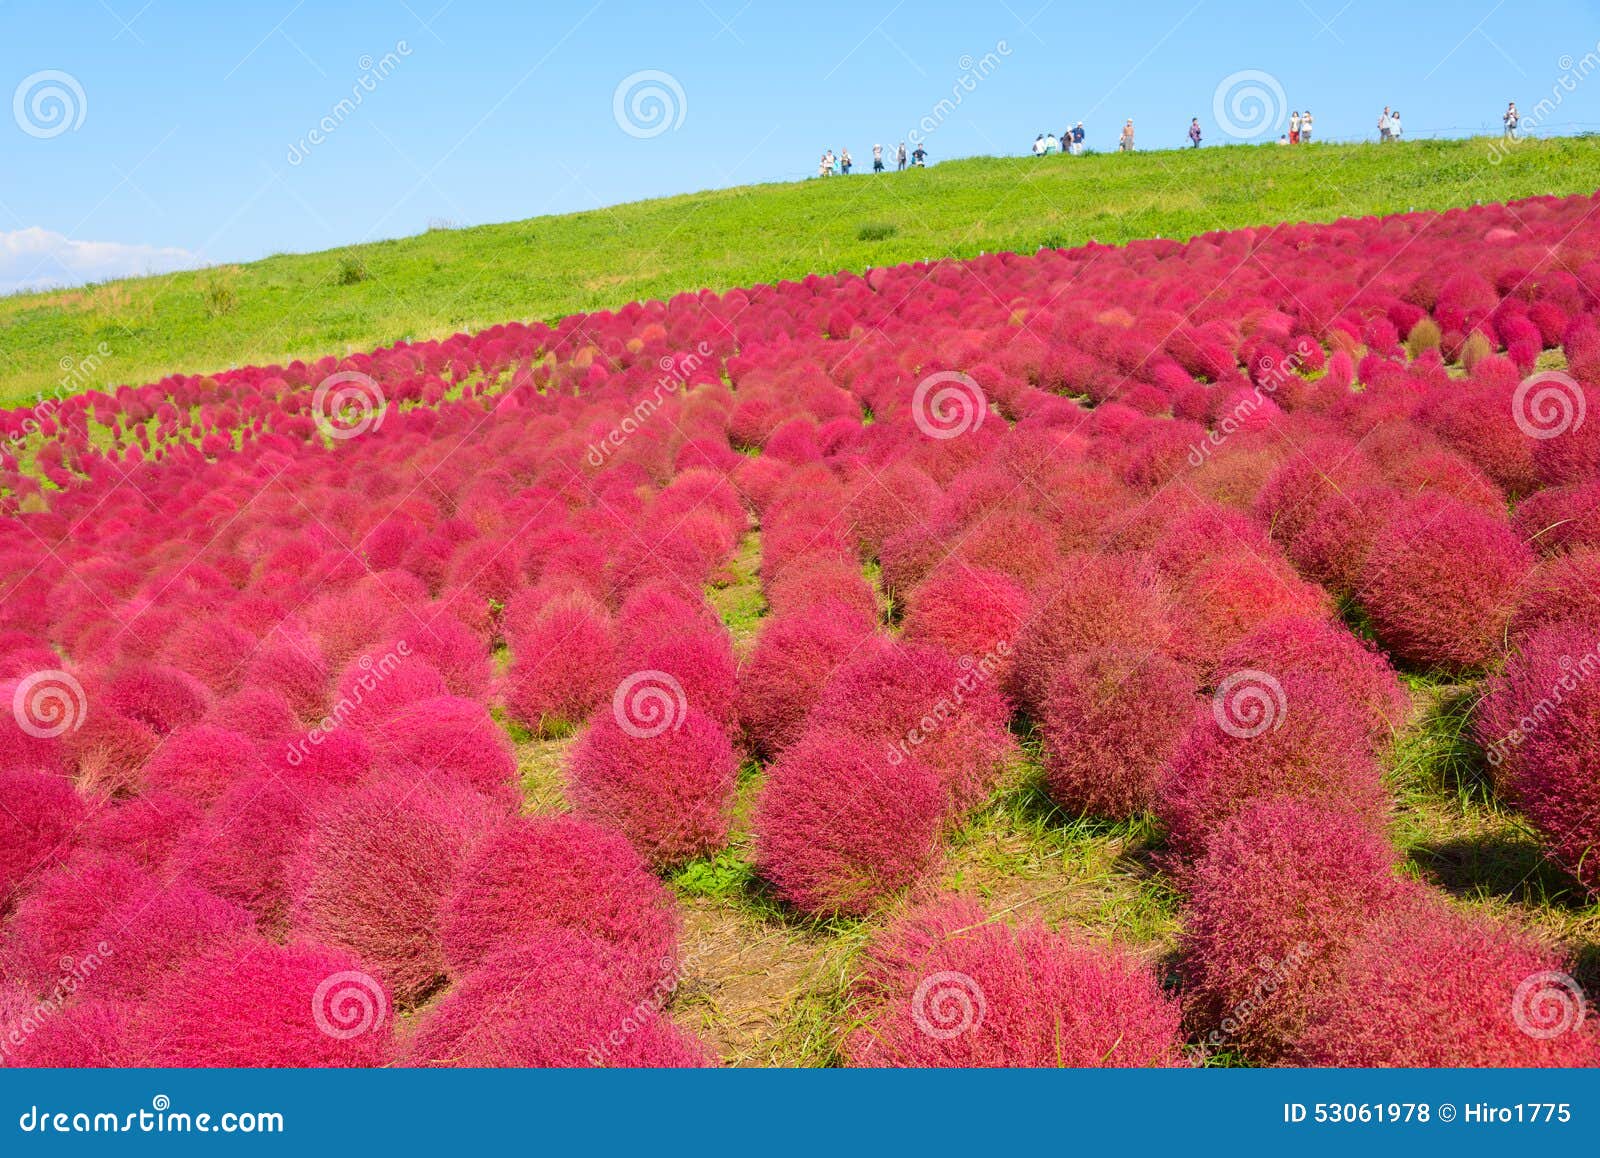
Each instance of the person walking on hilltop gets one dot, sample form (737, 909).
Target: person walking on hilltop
(1050, 143)
(1305, 127)
(1294, 127)
(1394, 125)
(1077, 139)
(900, 158)
(1383, 124)
(1194, 132)
(877, 158)
(1038, 145)
(1125, 143)
(1510, 119)
(845, 162)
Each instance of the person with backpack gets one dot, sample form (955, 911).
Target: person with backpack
(901, 157)
(877, 158)
(845, 162)
(1194, 132)
(1305, 127)
(1125, 142)
(1510, 119)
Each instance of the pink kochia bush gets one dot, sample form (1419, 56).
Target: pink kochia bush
(536, 874)
(563, 665)
(1441, 583)
(670, 793)
(779, 684)
(41, 814)
(839, 829)
(249, 1002)
(552, 1000)
(1540, 728)
(1285, 892)
(1430, 986)
(375, 868)
(947, 985)
(1110, 723)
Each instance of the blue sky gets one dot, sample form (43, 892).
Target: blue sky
(183, 132)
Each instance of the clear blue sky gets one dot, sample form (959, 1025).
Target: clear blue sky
(193, 115)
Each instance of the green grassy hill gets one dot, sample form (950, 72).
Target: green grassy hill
(306, 305)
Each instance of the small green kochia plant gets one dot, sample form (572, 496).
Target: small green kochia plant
(217, 290)
(876, 231)
(352, 269)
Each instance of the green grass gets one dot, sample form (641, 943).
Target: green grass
(436, 283)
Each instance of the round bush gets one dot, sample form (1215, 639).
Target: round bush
(779, 684)
(948, 986)
(968, 611)
(41, 816)
(839, 829)
(144, 828)
(155, 927)
(200, 762)
(1111, 722)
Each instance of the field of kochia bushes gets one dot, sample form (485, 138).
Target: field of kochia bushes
(266, 640)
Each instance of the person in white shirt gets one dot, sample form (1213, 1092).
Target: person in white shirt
(1383, 124)
(1038, 145)
(1294, 127)
(877, 158)
(1305, 127)
(1394, 125)
(1050, 143)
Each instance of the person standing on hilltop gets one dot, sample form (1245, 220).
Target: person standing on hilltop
(845, 162)
(1077, 139)
(1194, 132)
(900, 157)
(1383, 124)
(1394, 125)
(1510, 119)
(877, 158)
(1305, 127)
(1125, 143)
(1038, 145)
(1050, 143)
(919, 155)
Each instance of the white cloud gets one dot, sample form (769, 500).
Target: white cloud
(36, 258)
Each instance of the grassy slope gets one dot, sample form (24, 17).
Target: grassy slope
(435, 284)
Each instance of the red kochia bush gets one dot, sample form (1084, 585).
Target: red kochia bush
(157, 927)
(447, 739)
(1540, 726)
(839, 829)
(241, 850)
(671, 793)
(564, 665)
(1269, 735)
(86, 1033)
(540, 873)
(1441, 581)
(375, 869)
(1429, 986)
(702, 662)
(201, 761)
(780, 682)
(552, 1001)
(968, 611)
(144, 828)
(54, 918)
(249, 1002)
(37, 824)
(1566, 588)
(1226, 599)
(949, 986)
(1285, 891)
(1110, 724)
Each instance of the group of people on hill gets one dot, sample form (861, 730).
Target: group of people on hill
(1070, 141)
(843, 162)
(1389, 124)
